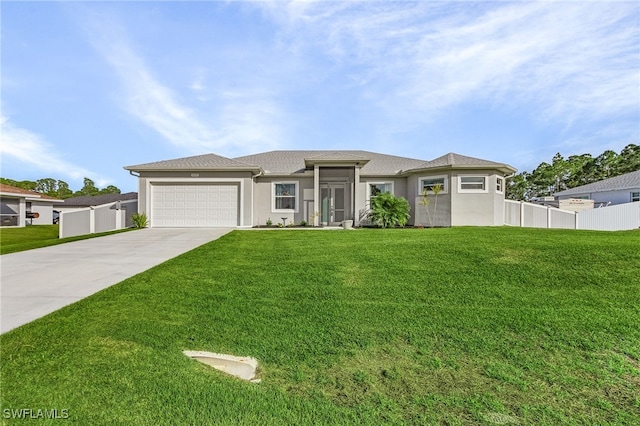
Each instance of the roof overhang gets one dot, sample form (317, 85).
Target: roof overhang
(504, 168)
(335, 162)
(28, 197)
(253, 169)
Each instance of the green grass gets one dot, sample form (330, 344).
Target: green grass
(430, 326)
(13, 240)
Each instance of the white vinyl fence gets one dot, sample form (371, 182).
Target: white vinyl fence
(612, 218)
(103, 218)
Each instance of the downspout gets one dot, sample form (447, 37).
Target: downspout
(253, 177)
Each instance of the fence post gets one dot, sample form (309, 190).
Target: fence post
(521, 214)
(92, 220)
(61, 225)
(548, 218)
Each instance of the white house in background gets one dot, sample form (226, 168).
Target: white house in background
(19, 207)
(616, 190)
(318, 187)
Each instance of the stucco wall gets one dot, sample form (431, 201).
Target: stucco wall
(476, 208)
(263, 201)
(243, 178)
(45, 210)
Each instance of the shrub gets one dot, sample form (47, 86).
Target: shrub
(303, 223)
(269, 222)
(387, 210)
(140, 220)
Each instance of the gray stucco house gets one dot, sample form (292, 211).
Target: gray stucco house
(616, 190)
(19, 207)
(319, 187)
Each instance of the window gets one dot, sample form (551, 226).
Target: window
(472, 184)
(499, 184)
(377, 188)
(635, 196)
(285, 196)
(428, 183)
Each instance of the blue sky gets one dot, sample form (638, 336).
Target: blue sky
(88, 88)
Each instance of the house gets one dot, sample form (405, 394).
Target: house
(616, 190)
(127, 201)
(319, 187)
(19, 207)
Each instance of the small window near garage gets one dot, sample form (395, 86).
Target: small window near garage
(285, 196)
(635, 196)
(429, 183)
(472, 184)
(499, 184)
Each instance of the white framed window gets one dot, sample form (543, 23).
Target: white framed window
(377, 188)
(472, 184)
(428, 183)
(499, 184)
(285, 197)
(635, 196)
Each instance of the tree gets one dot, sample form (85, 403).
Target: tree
(23, 184)
(110, 190)
(63, 190)
(629, 159)
(89, 188)
(387, 210)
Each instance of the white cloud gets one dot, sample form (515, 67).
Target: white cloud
(226, 127)
(31, 150)
(562, 61)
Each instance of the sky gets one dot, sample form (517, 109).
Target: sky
(90, 87)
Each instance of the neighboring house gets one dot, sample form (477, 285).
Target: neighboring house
(616, 190)
(19, 207)
(128, 202)
(319, 187)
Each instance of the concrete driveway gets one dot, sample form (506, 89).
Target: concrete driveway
(37, 282)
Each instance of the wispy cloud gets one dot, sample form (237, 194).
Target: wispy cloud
(32, 151)
(229, 125)
(564, 61)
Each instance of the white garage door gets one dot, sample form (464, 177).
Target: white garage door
(194, 205)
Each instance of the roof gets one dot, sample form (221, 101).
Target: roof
(96, 200)
(289, 162)
(617, 183)
(198, 162)
(452, 160)
(33, 195)
(298, 161)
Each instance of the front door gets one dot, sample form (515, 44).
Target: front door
(333, 201)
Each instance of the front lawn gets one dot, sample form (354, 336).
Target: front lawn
(407, 326)
(13, 240)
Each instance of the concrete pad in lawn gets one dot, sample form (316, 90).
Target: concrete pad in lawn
(34, 283)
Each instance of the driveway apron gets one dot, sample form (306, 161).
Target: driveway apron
(37, 282)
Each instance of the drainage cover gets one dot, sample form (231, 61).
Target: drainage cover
(240, 366)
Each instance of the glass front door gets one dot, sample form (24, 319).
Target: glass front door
(333, 201)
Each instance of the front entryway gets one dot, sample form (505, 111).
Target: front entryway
(333, 199)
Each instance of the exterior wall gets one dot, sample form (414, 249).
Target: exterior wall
(45, 210)
(613, 197)
(263, 200)
(242, 178)
(438, 211)
(476, 208)
(362, 204)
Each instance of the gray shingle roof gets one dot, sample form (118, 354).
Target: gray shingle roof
(625, 181)
(452, 160)
(294, 161)
(289, 162)
(198, 162)
(96, 200)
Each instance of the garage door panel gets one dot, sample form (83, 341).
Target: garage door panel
(202, 205)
